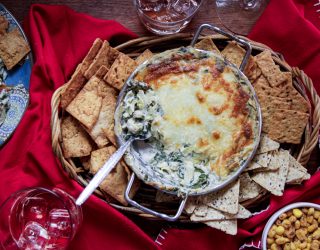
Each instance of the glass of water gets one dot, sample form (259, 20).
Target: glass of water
(39, 218)
(164, 17)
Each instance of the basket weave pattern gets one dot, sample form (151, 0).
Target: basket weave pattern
(133, 48)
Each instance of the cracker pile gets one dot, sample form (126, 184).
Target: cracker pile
(13, 47)
(271, 169)
(88, 102)
(284, 109)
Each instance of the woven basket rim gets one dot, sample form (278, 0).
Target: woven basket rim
(301, 81)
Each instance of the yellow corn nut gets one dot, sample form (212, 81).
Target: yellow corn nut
(303, 245)
(282, 241)
(287, 246)
(286, 223)
(297, 224)
(297, 212)
(310, 219)
(272, 233)
(283, 216)
(316, 234)
(301, 235)
(311, 211)
(314, 246)
(292, 246)
(270, 241)
(280, 230)
(316, 214)
(292, 219)
(312, 228)
(274, 246)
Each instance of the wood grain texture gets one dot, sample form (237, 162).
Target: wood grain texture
(124, 12)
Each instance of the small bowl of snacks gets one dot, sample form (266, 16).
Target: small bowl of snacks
(296, 226)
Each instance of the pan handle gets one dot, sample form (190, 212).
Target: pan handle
(150, 211)
(243, 42)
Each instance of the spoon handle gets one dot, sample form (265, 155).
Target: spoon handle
(102, 173)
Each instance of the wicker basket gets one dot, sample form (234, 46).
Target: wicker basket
(146, 194)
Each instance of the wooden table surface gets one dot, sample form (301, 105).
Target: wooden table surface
(124, 12)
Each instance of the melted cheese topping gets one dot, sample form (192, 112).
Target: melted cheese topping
(209, 118)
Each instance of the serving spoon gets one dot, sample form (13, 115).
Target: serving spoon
(108, 166)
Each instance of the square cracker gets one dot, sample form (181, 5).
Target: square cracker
(248, 188)
(73, 87)
(101, 72)
(13, 48)
(85, 107)
(284, 126)
(120, 71)
(274, 181)
(207, 44)
(75, 141)
(293, 103)
(227, 226)
(75, 84)
(115, 183)
(226, 199)
(100, 59)
(212, 214)
(4, 24)
(147, 54)
(235, 54)
(270, 70)
(93, 51)
(297, 173)
(105, 120)
(112, 55)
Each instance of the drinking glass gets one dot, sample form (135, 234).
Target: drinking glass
(164, 17)
(238, 15)
(39, 218)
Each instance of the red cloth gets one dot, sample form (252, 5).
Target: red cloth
(60, 38)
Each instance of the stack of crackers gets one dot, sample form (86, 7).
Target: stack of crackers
(284, 109)
(13, 47)
(88, 102)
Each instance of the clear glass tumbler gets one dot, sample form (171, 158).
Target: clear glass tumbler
(164, 17)
(39, 218)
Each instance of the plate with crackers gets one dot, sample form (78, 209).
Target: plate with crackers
(83, 129)
(15, 70)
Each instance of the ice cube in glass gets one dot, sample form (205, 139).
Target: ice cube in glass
(33, 236)
(35, 209)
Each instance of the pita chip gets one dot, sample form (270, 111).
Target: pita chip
(207, 44)
(296, 173)
(248, 188)
(226, 199)
(274, 181)
(267, 144)
(85, 107)
(100, 59)
(120, 71)
(13, 48)
(75, 141)
(115, 183)
(211, 214)
(147, 54)
(227, 226)
(105, 121)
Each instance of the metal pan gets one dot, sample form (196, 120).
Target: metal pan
(141, 170)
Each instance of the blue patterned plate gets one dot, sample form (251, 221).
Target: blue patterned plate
(19, 78)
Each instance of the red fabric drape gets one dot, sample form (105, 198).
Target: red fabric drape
(60, 38)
